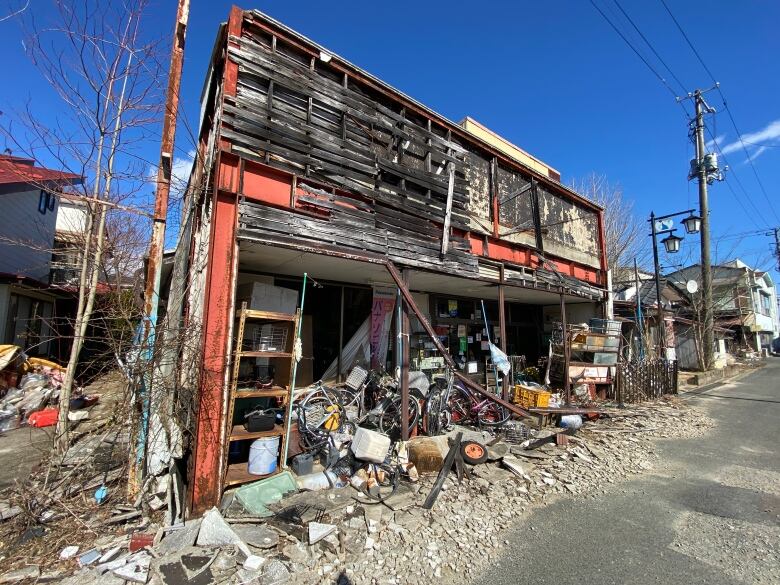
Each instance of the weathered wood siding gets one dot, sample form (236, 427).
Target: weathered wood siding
(372, 175)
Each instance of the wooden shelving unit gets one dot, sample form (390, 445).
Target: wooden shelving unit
(237, 473)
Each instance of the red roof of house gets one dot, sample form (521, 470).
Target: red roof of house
(14, 169)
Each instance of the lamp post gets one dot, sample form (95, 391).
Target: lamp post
(671, 243)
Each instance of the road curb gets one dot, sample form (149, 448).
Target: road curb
(707, 387)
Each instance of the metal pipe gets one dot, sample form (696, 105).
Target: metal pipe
(403, 360)
(658, 301)
(291, 394)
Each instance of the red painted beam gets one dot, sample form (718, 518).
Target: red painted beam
(218, 313)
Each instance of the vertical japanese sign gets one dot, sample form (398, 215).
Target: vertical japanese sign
(381, 316)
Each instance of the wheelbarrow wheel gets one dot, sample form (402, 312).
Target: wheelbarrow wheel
(473, 453)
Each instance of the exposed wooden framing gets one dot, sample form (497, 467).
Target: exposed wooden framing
(494, 208)
(360, 77)
(445, 237)
(536, 217)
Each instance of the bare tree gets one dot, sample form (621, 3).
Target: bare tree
(622, 230)
(106, 74)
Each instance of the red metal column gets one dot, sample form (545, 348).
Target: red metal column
(207, 469)
(218, 312)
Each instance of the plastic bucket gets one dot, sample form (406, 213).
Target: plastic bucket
(263, 455)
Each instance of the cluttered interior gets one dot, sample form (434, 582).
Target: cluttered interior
(322, 366)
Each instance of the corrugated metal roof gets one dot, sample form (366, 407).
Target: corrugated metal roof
(14, 169)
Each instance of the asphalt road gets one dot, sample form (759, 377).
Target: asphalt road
(709, 512)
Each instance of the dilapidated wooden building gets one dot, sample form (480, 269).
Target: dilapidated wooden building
(306, 163)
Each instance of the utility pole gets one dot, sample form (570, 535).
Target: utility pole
(777, 247)
(706, 268)
(157, 240)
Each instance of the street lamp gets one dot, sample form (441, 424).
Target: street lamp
(692, 224)
(671, 243)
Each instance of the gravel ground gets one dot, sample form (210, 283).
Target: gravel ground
(463, 533)
(462, 536)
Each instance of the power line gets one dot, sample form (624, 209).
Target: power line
(737, 236)
(725, 107)
(690, 44)
(634, 49)
(652, 48)
(733, 173)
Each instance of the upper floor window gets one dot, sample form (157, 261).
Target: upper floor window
(46, 202)
(766, 304)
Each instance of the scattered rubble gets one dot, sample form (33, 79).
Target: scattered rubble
(322, 535)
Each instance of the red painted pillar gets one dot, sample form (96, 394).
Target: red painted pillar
(218, 313)
(205, 479)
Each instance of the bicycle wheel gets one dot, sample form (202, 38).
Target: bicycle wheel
(460, 407)
(492, 415)
(437, 414)
(320, 412)
(389, 419)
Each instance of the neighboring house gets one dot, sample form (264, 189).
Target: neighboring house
(744, 301)
(316, 166)
(28, 221)
(681, 342)
(642, 341)
(68, 241)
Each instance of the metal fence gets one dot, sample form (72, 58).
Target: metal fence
(645, 380)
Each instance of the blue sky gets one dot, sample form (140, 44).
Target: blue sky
(552, 77)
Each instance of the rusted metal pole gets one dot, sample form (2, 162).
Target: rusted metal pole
(403, 344)
(157, 241)
(566, 354)
(502, 328)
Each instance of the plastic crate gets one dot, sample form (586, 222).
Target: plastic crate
(541, 398)
(531, 397)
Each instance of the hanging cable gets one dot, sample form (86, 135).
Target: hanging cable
(726, 108)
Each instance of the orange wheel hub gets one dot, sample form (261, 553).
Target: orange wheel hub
(474, 451)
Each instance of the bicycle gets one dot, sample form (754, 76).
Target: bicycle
(437, 417)
(374, 397)
(466, 407)
(320, 412)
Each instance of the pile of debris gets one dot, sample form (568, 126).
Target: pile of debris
(444, 526)
(29, 391)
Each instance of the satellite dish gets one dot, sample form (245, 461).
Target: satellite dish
(692, 286)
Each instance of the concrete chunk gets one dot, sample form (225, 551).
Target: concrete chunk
(179, 539)
(318, 531)
(30, 572)
(275, 573)
(214, 531)
(257, 535)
